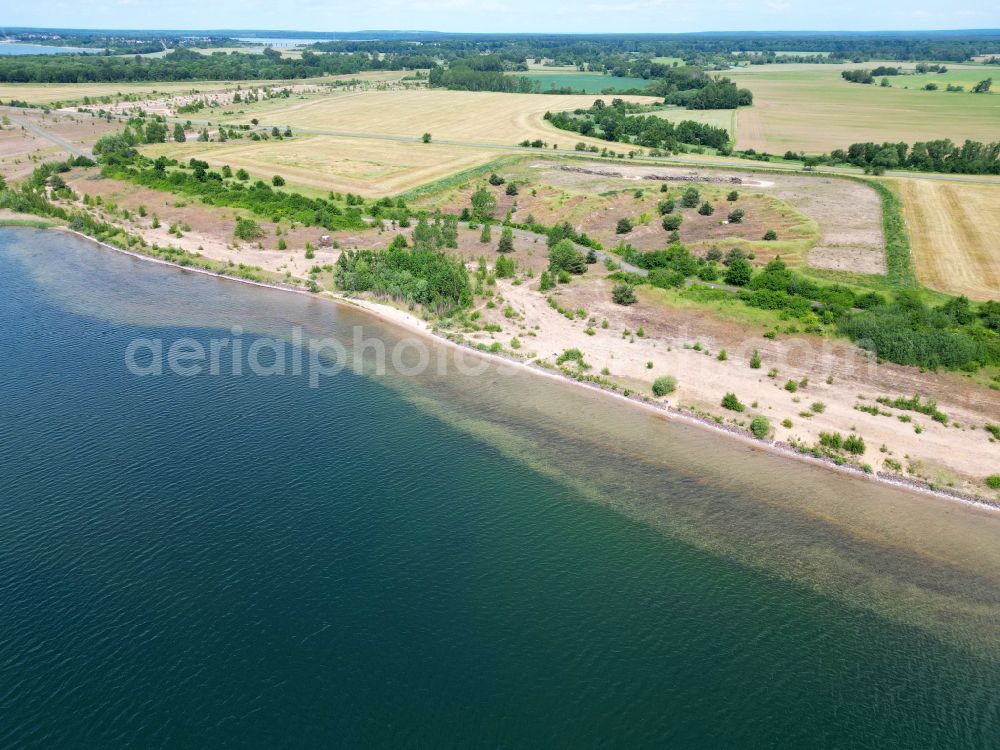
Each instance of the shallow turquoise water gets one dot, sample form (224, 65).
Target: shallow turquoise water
(435, 560)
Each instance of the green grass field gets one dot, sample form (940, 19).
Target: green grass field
(669, 60)
(967, 76)
(589, 83)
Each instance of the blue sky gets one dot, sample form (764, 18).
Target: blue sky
(508, 15)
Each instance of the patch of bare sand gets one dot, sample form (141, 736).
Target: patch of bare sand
(960, 454)
(848, 214)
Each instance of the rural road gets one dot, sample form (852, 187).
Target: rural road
(52, 137)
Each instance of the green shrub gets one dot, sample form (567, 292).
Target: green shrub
(247, 229)
(664, 385)
(755, 360)
(760, 427)
(729, 401)
(672, 222)
(791, 386)
(854, 444)
(573, 355)
(624, 294)
(993, 481)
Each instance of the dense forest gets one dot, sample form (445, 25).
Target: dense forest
(624, 122)
(631, 54)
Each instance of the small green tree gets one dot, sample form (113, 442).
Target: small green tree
(736, 216)
(278, 180)
(624, 226)
(770, 235)
(511, 188)
(506, 244)
(738, 273)
(486, 234)
(426, 137)
(733, 195)
(690, 197)
(504, 267)
(706, 209)
(672, 222)
(179, 135)
(624, 294)
(755, 360)
(484, 204)
(545, 282)
(565, 257)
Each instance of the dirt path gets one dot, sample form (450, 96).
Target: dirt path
(52, 137)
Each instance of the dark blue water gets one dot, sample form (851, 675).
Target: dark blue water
(392, 561)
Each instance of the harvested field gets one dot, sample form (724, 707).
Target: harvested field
(954, 228)
(466, 116)
(811, 108)
(372, 168)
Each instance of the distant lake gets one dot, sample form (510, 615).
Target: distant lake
(280, 42)
(17, 48)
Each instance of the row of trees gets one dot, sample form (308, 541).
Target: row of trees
(187, 65)
(119, 159)
(972, 157)
(619, 123)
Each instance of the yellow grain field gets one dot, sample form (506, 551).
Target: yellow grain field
(372, 168)
(953, 229)
(470, 117)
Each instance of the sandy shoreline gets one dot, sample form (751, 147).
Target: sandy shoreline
(411, 323)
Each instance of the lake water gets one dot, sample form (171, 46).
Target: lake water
(269, 41)
(17, 48)
(414, 560)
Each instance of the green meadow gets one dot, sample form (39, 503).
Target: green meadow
(588, 83)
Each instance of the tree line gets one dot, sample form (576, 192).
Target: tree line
(620, 123)
(187, 65)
